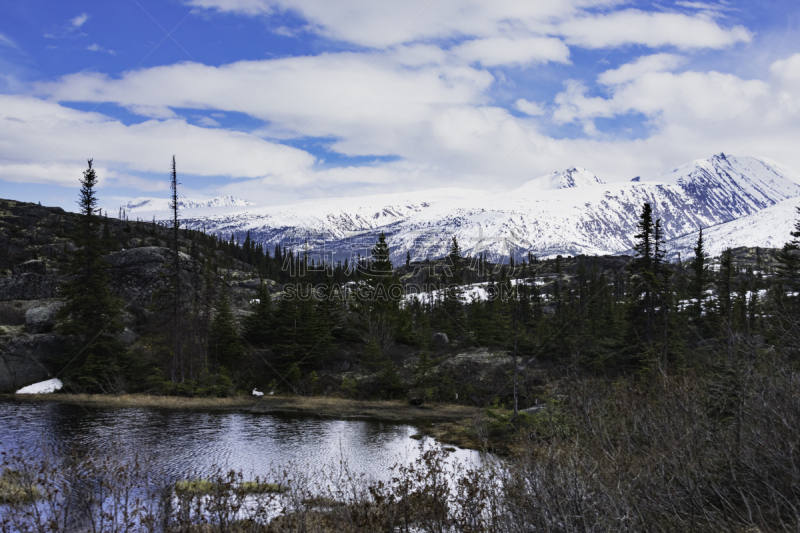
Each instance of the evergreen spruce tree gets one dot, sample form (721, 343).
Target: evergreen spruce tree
(640, 316)
(661, 286)
(286, 345)
(644, 239)
(456, 260)
(789, 261)
(380, 269)
(257, 327)
(378, 313)
(96, 361)
(454, 295)
(224, 345)
(423, 371)
(699, 281)
(725, 289)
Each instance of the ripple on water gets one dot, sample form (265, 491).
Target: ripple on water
(189, 442)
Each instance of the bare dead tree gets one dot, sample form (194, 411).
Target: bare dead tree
(177, 356)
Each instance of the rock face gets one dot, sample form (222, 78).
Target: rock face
(137, 273)
(34, 266)
(42, 319)
(28, 359)
(28, 286)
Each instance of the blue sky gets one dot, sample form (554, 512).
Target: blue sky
(280, 100)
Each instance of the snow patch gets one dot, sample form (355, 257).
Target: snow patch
(43, 387)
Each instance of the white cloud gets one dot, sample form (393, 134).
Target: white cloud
(650, 29)
(424, 102)
(787, 70)
(79, 21)
(421, 104)
(529, 108)
(705, 6)
(685, 98)
(496, 51)
(639, 67)
(207, 122)
(6, 41)
(369, 105)
(381, 24)
(97, 48)
(143, 148)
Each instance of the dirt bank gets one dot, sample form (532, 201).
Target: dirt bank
(328, 407)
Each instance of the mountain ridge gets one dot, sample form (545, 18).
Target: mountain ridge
(562, 213)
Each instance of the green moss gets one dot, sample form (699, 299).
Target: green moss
(202, 487)
(14, 490)
(253, 487)
(195, 487)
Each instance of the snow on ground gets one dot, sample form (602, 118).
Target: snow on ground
(768, 228)
(43, 387)
(476, 291)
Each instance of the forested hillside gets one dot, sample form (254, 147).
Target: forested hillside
(145, 307)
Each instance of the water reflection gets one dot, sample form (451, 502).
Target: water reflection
(191, 442)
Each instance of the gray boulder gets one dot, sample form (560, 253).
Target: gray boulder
(28, 359)
(127, 337)
(441, 339)
(41, 319)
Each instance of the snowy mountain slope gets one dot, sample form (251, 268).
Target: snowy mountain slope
(769, 228)
(736, 186)
(570, 212)
(569, 179)
(150, 206)
(328, 220)
(596, 220)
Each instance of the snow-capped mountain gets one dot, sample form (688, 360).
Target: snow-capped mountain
(569, 179)
(569, 212)
(768, 228)
(736, 186)
(140, 205)
(324, 221)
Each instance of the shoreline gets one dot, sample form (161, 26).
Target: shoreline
(329, 407)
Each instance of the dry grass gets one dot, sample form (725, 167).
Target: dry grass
(137, 400)
(344, 408)
(317, 405)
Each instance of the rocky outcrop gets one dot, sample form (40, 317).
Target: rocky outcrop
(138, 272)
(34, 266)
(27, 359)
(28, 286)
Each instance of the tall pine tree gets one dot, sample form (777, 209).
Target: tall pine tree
(641, 307)
(699, 281)
(96, 361)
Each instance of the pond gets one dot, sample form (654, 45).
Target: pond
(193, 443)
